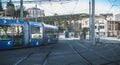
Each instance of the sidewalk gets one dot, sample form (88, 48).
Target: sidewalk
(109, 40)
(102, 40)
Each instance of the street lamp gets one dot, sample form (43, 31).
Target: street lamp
(36, 11)
(92, 22)
(21, 9)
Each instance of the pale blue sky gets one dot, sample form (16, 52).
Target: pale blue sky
(76, 6)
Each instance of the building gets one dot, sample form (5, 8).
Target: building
(104, 27)
(113, 28)
(33, 12)
(117, 17)
(100, 25)
(108, 16)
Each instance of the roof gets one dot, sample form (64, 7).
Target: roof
(11, 21)
(35, 23)
(49, 26)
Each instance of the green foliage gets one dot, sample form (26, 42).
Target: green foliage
(1, 9)
(17, 13)
(10, 8)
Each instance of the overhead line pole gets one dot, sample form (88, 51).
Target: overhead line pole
(36, 15)
(90, 20)
(93, 24)
(21, 9)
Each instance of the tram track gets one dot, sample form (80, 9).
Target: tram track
(95, 53)
(88, 61)
(103, 57)
(47, 55)
(83, 58)
(24, 58)
(44, 61)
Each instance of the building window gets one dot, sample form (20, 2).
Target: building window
(95, 27)
(101, 27)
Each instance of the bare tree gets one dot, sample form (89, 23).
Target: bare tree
(1, 9)
(10, 9)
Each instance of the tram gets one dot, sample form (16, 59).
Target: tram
(17, 34)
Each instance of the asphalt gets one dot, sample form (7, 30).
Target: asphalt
(68, 51)
(73, 51)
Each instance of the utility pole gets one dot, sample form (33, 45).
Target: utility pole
(93, 24)
(36, 11)
(90, 20)
(21, 9)
(1, 9)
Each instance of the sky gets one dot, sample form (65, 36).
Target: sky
(74, 6)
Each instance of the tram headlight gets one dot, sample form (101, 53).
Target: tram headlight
(9, 43)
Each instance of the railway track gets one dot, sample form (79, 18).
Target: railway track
(93, 51)
(44, 61)
(80, 55)
(24, 58)
(47, 55)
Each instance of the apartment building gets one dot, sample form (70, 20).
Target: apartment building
(33, 12)
(113, 28)
(104, 27)
(100, 25)
(117, 17)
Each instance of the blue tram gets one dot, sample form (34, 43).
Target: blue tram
(50, 34)
(17, 33)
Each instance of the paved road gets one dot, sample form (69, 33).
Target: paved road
(69, 51)
(23, 56)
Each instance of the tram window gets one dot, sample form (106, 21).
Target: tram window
(18, 30)
(5, 32)
(55, 33)
(36, 32)
(49, 32)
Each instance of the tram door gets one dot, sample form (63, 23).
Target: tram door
(35, 36)
(18, 36)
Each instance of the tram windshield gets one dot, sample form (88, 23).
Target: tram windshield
(5, 32)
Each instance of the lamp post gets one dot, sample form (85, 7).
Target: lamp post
(92, 23)
(89, 19)
(21, 9)
(1, 9)
(36, 11)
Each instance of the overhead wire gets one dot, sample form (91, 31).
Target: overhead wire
(51, 5)
(64, 8)
(72, 11)
(75, 6)
(110, 7)
(110, 2)
(113, 3)
(52, 8)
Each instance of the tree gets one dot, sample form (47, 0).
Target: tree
(10, 9)
(17, 13)
(1, 9)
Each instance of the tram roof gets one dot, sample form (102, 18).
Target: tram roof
(49, 26)
(11, 21)
(35, 23)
